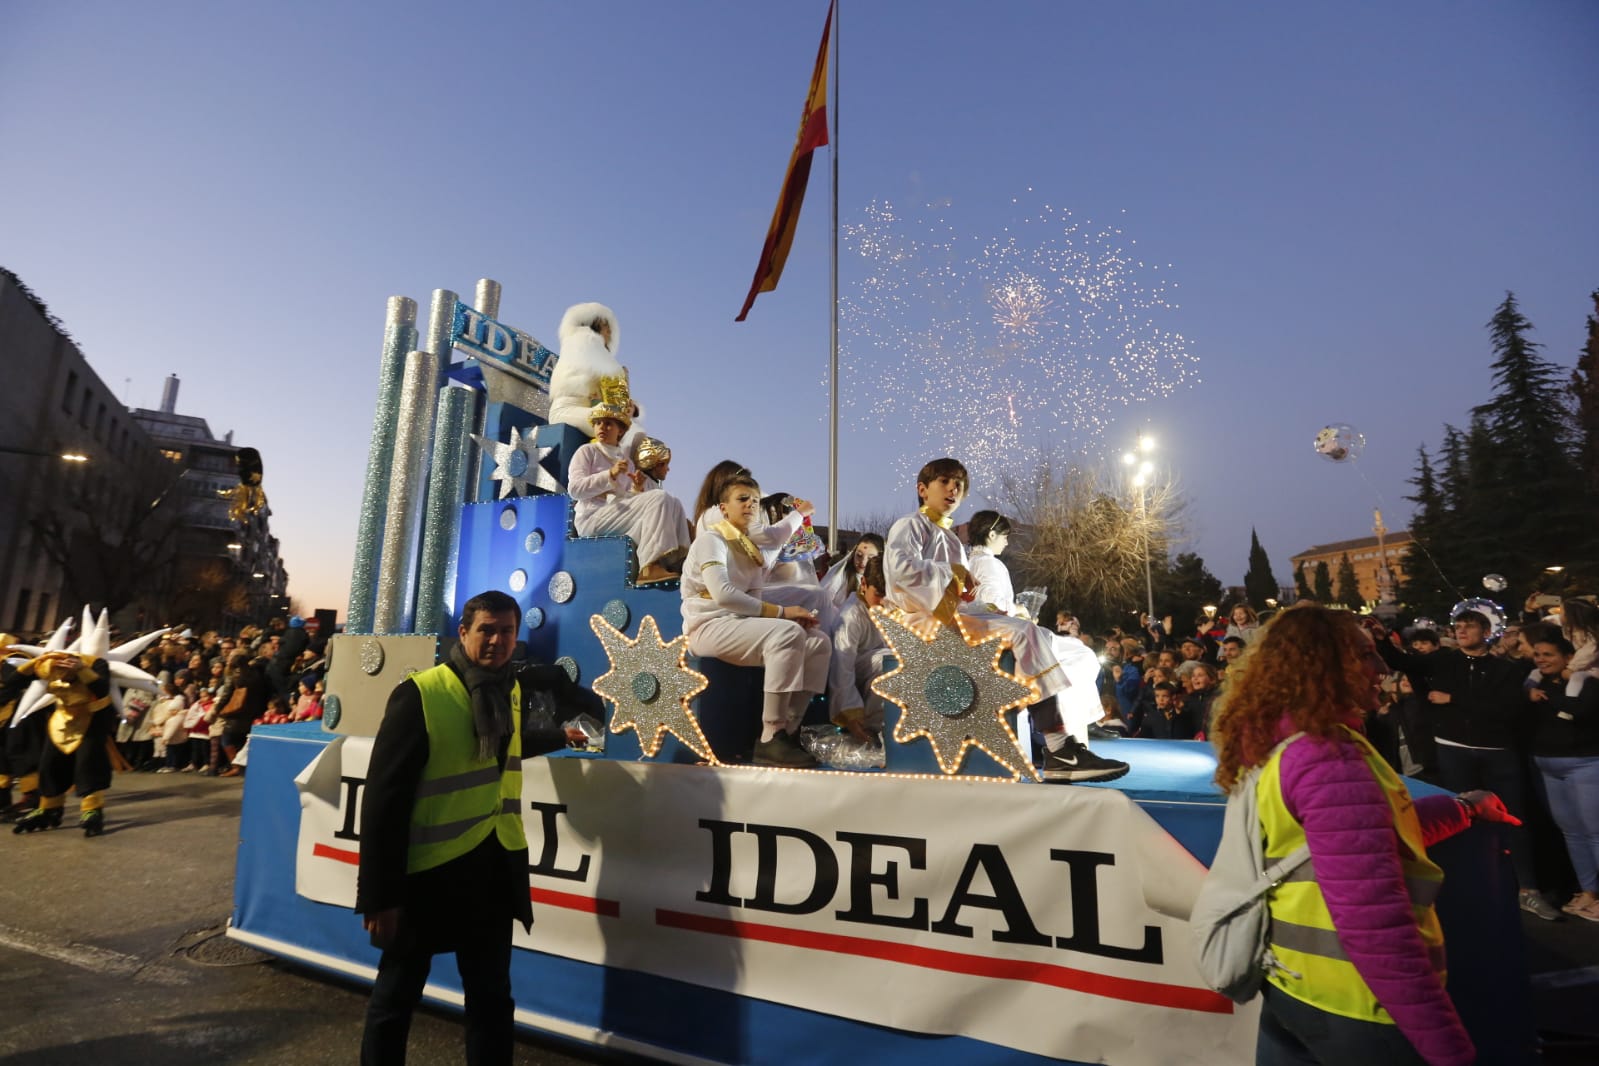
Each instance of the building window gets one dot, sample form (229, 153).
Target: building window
(83, 409)
(45, 621)
(24, 600)
(66, 394)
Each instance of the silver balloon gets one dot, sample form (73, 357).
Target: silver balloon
(1495, 582)
(1424, 623)
(1485, 607)
(1339, 442)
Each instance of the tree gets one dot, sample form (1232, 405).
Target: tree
(1184, 589)
(1081, 537)
(1260, 584)
(1321, 587)
(1425, 589)
(1584, 389)
(1301, 586)
(111, 555)
(1348, 592)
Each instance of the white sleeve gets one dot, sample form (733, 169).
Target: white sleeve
(589, 476)
(847, 642)
(994, 590)
(771, 538)
(913, 580)
(713, 574)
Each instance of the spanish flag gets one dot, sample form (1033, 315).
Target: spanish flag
(812, 135)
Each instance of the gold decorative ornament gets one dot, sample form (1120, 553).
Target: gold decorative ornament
(950, 690)
(650, 685)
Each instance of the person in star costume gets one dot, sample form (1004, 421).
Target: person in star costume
(607, 495)
(925, 567)
(79, 731)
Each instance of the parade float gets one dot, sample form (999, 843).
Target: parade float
(689, 908)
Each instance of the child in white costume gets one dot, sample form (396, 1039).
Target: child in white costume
(925, 570)
(840, 585)
(606, 497)
(589, 339)
(1079, 706)
(859, 652)
(725, 616)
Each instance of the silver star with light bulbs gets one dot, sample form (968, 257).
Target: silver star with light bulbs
(518, 464)
(650, 684)
(952, 691)
(93, 640)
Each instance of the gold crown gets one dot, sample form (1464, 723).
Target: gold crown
(649, 453)
(614, 401)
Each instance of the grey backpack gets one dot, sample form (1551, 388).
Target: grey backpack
(1230, 919)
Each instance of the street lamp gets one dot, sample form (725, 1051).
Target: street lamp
(66, 457)
(1141, 479)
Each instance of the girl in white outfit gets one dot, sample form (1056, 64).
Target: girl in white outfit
(725, 616)
(609, 499)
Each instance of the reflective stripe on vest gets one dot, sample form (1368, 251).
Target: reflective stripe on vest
(462, 798)
(1314, 967)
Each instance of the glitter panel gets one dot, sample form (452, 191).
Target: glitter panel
(407, 482)
(399, 338)
(646, 686)
(534, 618)
(371, 657)
(562, 586)
(650, 686)
(441, 522)
(534, 542)
(994, 344)
(569, 664)
(949, 691)
(441, 330)
(487, 298)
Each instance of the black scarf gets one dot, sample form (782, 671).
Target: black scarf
(491, 701)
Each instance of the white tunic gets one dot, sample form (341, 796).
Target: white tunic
(858, 650)
(606, 506)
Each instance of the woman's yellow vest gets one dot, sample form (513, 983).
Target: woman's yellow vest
(1312, 966)
(462, 798)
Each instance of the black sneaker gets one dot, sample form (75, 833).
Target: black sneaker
(783, 750)
(1075, 762)
(1099, 732)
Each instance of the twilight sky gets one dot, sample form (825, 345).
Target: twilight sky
(1229, 224)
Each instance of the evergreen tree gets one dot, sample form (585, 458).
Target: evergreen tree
(1523, 468)
(1321, 587)
(1348, 584)
(1260, 584)
(1585, 409)
(1425, 589)
(1301, 586)
(1183, 588)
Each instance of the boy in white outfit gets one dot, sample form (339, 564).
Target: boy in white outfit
(858, 654)
(725, 617)
(925, 570)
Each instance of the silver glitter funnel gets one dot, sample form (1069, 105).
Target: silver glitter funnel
(441, 521)
(399, 337)
(413, 439)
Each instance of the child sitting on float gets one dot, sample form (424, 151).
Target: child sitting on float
(791, 572)
(728, 615)
(989, 533)
(842, 582)
(606, 496)
(859, 652)
(925, 568)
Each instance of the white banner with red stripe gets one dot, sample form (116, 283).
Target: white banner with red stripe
(1015, 914)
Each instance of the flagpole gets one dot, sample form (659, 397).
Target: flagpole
(832, 372)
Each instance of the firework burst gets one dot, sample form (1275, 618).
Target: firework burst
(996, 348)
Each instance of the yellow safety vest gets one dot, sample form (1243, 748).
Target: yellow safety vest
(1315, 968)
(462, 798)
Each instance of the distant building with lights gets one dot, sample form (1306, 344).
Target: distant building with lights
(1364, 556)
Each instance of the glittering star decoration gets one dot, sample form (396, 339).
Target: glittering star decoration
(95, 640)
(650, 684)
(518, 464)
(953, 692)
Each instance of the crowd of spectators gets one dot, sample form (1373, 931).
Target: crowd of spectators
(214, 687)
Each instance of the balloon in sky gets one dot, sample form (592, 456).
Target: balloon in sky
(1487, 608)
(1495, 582)
(1339, 442)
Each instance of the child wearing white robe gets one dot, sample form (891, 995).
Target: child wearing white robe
(728, 616)
(859, 654)
(607, 501)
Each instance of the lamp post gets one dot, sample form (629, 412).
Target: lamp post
(1141, 478)
(65, 457)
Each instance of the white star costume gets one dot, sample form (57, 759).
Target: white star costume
(918, 564)
(727, 616)
(1079, 704)
(606, 506)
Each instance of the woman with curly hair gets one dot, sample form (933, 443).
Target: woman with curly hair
(1358, 973)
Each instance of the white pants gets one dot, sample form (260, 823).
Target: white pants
(1079, 704)
(1035, 657)
(796, 659)
(653, 519)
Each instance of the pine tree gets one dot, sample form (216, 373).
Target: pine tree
(1425, 589)
(1301, 586)
(1348, 584)
(1260, 584)
(1585, 408)
(1184, 588)
(1522, 459)
(1321, 587)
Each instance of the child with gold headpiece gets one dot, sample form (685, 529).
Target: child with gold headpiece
(605, 497)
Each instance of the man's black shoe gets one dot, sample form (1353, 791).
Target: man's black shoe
(1075, 762)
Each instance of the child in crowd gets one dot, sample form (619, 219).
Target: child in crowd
(197, 725)
(608, 499)
(308, 704)
(858, 654)
(725, 616)
(927, 578)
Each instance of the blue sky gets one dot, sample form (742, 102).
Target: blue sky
(1343, 194)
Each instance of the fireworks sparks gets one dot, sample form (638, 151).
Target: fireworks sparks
(995, 348)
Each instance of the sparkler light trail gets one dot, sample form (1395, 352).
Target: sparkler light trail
(998, 348)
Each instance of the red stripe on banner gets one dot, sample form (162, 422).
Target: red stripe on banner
(325, 851)
(608, 908)
(1043, 973)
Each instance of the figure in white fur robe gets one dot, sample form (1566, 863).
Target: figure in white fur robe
(590, 337)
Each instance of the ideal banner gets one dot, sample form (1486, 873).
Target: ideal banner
(1022, 915)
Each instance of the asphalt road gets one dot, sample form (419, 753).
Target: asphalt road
(111, 951)
(111, 954)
